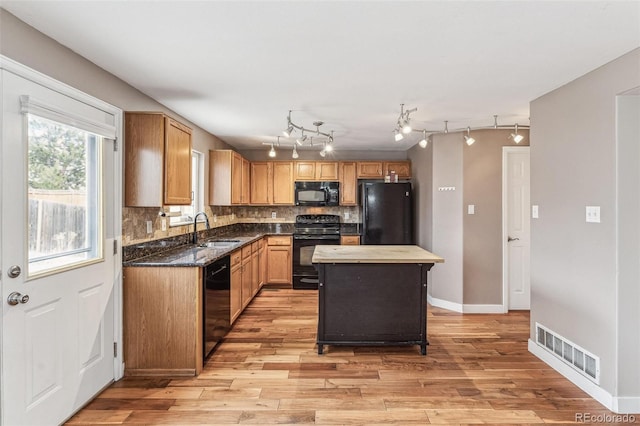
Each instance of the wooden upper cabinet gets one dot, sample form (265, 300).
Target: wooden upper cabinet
(305, 170)
(262, 182)
(316, 170)
(283, 183)
(348, 183)
(327, 170)
(402, 168)
(228, 178)
(157, 155)
(370, 169)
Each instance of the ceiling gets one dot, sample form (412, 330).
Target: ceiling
(235, 68)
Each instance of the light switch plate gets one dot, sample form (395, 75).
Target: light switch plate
(534, 212)
(164, 224)
(149, 227)
(346, 215)
(593, 214)
(471, 209)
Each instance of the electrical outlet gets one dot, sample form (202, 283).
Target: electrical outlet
(215, 218)
(273, 215)
(149, 227)
(164, 224)
(346, 215)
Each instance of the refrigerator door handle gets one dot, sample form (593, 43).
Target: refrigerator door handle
(366, 210)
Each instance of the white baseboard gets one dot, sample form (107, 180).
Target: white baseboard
(620, 405)
(467, 309)
(444, 304)
(483, 309)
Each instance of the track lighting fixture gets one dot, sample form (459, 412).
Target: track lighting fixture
(515, 136)
(403, 123)
(272, 152)
(323, 153)
(467, 138)
(423, 142)
(304, 140)
(294, 155)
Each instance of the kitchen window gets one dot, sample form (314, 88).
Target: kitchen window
(183, 215)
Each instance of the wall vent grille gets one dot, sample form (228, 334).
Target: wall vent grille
(570, 353)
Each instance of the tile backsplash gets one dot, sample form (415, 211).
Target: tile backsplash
(134, 219)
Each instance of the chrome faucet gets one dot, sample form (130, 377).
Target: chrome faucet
(195, 225)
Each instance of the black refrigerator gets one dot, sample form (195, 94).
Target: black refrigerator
(387, 213)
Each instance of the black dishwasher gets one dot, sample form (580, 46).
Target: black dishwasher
(216, 309)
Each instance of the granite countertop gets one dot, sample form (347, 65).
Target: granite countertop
(192, 255)
(373, 254)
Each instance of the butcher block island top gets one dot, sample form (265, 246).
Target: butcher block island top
(373, 254)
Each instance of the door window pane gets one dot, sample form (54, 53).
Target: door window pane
(64, 193)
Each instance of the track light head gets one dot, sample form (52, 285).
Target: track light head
(328, 147)
(272, 151)
(323, 153)
(406, 127)
(423, 142)
(288, 131)
(398, 135)
(301, 139)
(467, 138)
(515, 136)
(294, 155)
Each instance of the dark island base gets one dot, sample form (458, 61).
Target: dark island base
(423, 346)
(372, 304)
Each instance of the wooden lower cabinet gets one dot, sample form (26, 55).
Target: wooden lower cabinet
(162, 316)
(255, 270)
(279, 260)
(262, 261)
(236, 285)
(350, 240)
(247, 287)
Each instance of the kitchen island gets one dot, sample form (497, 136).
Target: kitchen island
(373, 295)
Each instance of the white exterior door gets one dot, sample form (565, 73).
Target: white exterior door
(516, 227)
(57, 252)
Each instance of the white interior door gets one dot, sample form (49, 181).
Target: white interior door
(58, 265)
(516, 227)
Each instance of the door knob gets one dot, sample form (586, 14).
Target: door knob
(14, 271)
(15, 298)
(509, 239)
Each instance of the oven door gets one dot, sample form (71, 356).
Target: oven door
(305, 275)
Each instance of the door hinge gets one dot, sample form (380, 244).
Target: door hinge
(115, 144)
(115, 247)
(115, 349)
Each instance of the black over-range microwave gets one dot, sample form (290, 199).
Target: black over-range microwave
(317, 193)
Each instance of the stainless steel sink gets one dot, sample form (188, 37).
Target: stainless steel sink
(219, 243)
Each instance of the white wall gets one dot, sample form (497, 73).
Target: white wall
(628, 193)
(574, 281)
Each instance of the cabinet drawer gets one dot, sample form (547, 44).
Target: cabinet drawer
(236, 258)
(246, 251)
(279, 241)
(254, 247)
(350, 240)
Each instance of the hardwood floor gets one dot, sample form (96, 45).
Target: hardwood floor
(477, 370)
